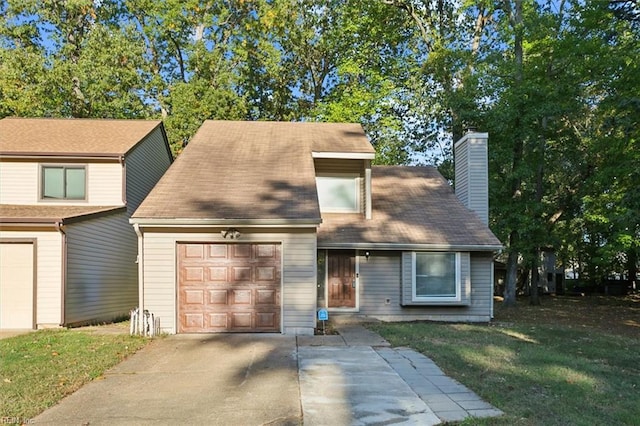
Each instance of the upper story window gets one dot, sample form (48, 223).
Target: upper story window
(339, 193)
(63, 183)
(436, 277)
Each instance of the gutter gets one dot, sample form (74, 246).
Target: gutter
(124, 179)
(248, 223)
(63, 287)
(403, 246)
(138, 231)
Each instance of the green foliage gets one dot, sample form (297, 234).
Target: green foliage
(554, 83)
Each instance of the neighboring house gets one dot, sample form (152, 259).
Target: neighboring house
(67, 190)
(258, 224)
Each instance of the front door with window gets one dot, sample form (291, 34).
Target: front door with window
(341, 279)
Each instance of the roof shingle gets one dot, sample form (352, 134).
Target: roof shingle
(71, 137)
(411, 206)
(250, 170)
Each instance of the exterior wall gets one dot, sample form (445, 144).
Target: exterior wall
(298, 272)
(380, 287)
(472, 174)
(48, 273)
(20, 183)
(407, 277)
(145, 165)
(101, 269)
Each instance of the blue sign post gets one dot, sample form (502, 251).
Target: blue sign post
(323, 315)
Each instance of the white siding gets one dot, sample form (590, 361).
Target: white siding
(19, 183)
(48, 274)
(101, 269)
(145, 166)
(381, 280)
(298, 273)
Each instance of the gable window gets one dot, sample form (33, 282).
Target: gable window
(436, 277)
(63, 183)
(339, 193)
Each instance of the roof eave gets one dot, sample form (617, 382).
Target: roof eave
(345, 155)
(411, 246)
(248, 223)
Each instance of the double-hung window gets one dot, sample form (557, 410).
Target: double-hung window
(436, 277)
(63, 183)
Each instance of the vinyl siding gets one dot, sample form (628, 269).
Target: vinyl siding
(145, 165)
(20, 183)
(101, 269)
(382, 277)
(471, 174)
(298, 273)
(48, 274)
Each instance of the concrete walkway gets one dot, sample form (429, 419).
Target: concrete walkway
(441, 398)
(354, 378)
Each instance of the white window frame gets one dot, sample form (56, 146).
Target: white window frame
(358, 195)
(458, 281)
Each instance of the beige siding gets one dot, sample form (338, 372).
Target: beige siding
(101, 269)
(48, 273)
(104, 184)
(145, 166)
(381, 290)
(298, 273)
(18, 183)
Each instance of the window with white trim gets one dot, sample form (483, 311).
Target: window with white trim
(339, 193)
(436, 277)
(63, 183)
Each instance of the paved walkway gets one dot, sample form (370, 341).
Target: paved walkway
(444, 398)
(354, 378)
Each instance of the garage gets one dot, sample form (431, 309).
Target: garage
(16, 285)
(229, 287)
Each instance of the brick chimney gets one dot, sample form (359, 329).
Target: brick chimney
(472, 173)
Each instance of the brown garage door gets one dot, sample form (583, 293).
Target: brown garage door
(228, 288)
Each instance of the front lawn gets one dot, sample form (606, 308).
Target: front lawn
(560, 368)
(38, 369)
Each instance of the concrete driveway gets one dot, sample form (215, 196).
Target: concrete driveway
(253, 379)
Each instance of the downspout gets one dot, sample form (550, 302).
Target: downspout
(136, 228)
(63, 286)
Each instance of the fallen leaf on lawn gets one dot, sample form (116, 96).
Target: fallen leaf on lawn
(7, 380)
(54, 353)
(99, 378)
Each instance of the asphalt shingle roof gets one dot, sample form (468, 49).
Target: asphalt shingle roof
(250, 170)
(411, 205)
(14, 213)
(71, 137)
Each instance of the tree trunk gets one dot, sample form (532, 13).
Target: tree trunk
(512, 274)
(632, 267)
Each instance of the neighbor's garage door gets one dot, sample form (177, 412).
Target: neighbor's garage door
(16, 285)
(228, 288)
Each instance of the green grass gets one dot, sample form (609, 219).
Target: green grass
(40, 368)
(536, 374)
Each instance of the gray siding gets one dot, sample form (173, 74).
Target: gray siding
(298, 272)
(101, 269)
(471, 174)
(145, 165)
(381, 278)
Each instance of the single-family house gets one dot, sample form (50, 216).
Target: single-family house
(257, 225)
(67, 189)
